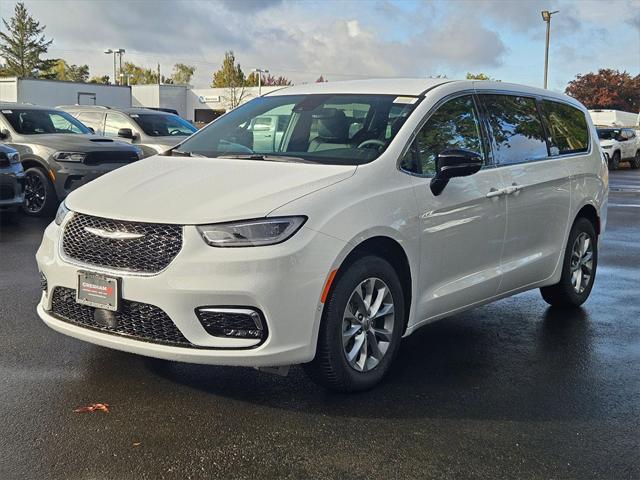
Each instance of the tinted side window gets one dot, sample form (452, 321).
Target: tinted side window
(114, 123)
(517, 131)
(454, 125)
(567, 128)
(92, 119)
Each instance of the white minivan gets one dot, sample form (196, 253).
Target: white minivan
(383, 206)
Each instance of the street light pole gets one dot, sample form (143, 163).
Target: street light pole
(260, 71)
(546, 16)
(119, 52)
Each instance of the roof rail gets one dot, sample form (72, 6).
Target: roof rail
(79, 105)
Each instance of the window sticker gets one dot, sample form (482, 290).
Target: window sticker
(406, 100)
(8, 112)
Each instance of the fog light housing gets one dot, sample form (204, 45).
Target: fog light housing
(232, 322)
(43, 282)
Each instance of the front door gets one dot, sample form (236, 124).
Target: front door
(462, 229)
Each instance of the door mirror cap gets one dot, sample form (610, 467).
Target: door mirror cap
(91, 129)
(126, 133)
(454, 163)
(4, 134)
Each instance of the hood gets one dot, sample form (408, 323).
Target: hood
(183, 190)
(73, 142)
(607, 143)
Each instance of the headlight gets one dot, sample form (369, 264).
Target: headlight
(69, 156)
(61, 213)
(251, 233)
(14, 157)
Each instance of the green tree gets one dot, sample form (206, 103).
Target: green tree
(138, 75)
(61, 70)
(480, 76)
(104, 79)
(22, 43)
(231, 77)
(182, 74)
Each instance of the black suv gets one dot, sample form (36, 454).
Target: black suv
(58, 153)
(11, 179)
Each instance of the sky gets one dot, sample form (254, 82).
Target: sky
(348, 39)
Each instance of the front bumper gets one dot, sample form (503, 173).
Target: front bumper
(11, 186)
(70, 175)
(283, 281)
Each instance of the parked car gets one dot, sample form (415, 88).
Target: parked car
(329, 247)
(11, 179)
(620, 144)
(152, 130)
(58, 153)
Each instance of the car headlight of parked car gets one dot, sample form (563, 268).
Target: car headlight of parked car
(13, 157)
(607, 146)
(61, 213)
(251, 233)
(69, 156)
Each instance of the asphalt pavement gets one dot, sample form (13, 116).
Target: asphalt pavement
(510, 390)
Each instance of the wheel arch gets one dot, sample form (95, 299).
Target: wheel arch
(34, 162)
(393, 252)
(589, 212)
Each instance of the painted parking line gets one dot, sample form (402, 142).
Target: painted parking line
(630, 205)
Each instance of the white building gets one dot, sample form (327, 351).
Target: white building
(50, 93)
(194, 104)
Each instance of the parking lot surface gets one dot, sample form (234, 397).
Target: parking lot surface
(510, 390)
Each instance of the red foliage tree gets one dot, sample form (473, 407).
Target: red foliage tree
(607, 89)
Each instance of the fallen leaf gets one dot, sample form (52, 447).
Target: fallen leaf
(103, 407)
(136, 444)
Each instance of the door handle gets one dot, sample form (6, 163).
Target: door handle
(496, 192)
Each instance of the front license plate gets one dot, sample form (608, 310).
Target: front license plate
(98, 291)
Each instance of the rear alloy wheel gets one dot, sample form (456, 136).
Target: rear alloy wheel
(614, 163)
(635, 161)
(578, 268)
(39, 194)
(361, 327)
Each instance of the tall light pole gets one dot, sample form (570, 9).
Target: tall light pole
(119, 52)
(546, 16)
(260, 71)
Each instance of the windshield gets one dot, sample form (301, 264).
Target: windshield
(331, 129)
(608, 134)
(161, 125)
(33, 122)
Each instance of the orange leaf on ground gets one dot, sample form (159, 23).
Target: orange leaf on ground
(103, 407)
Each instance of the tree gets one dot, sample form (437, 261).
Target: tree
(321, 79)
(182, 74)
(138, 75)
(61, 70)
(231, 77)
(22, 43)
(104, 79)
(480, 76)
(267, 80)
(607, 89)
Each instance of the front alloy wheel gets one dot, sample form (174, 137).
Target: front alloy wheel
(367, 324)
(361, 326)
(581, 262)
(39, 194)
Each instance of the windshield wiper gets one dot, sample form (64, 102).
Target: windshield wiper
(267, 158)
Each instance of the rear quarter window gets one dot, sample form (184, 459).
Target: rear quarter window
(567, 125)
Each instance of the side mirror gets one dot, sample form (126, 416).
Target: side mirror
(126, 133)
(91, 129)
(454, 163)
(4, 134)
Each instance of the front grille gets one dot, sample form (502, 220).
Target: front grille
(150, 253)
(139, 320)
(110, 156)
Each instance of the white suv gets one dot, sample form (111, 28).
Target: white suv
(620, 144)
(328, 246)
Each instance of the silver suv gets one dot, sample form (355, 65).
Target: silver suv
(152, 130)
(58, 153)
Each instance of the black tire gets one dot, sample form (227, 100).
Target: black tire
(635, 161)
(40, 197)
(564, 294)
(614, 163)
(330, 367)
